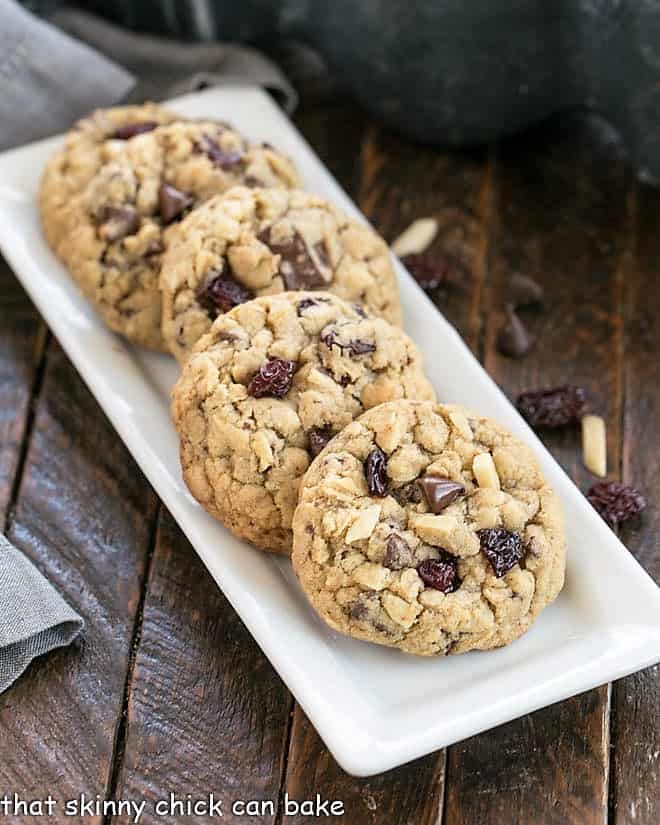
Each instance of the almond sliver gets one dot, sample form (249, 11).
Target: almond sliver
(416, 238)
(594, 445)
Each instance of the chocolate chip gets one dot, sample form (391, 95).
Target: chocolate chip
(440, 492)
(318, 438)
(354, 347)
(357, 611)
(220, 157)
(410, 493)
(172, 202)
(375, 471)
(558, 407)
(297, 266)
(513, 340)
(501, 547)
(133, 129)
(118, 222)
(221, 292)
(274, 379)
(308, 303)
(523, 290)
(398, 553)
(440, 574)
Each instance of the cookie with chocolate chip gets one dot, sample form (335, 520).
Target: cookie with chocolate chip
(108, 216)
(267, 388)
(430, 529)
(252, 242)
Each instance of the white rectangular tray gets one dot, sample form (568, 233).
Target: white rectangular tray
(374, 708)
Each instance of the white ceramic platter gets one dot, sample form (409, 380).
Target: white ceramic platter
(374, 708)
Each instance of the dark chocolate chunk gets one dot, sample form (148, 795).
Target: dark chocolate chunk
(132, 129)
(440, 492)
(354, 347)
(398, 553)
(220, 157)
(318, 438)
(172, 203)
(410, 493)
(118, 222)
(513, 340)
(297, 266)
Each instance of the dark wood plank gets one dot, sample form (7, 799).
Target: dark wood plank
(83, 515)
(562, 217)
(21, 351)
(635, 792)
(411, 795)
(399, 182)
(206, 712)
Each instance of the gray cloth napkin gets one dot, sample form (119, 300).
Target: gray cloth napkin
(49, 77)
(34, 619)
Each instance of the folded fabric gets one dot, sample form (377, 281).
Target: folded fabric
(34, 618)
(50, 77)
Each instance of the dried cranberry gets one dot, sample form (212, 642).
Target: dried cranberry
(501, 547)
(354, 347)
(221, 292)
(440, 492)
(133, 129)
(375, 471)
(440, 574)
(427, 269)
(318, 438)
(616, 502)
(172, 202)
(273, 379)
(559, 407)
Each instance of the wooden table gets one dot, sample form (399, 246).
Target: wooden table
(167, 691)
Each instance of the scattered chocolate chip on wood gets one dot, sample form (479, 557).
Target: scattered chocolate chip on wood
(513, 340)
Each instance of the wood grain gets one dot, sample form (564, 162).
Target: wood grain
(562, 217)
(635, 791)
(206, 712)
(21, 353)
(398, 183)
(83, 515)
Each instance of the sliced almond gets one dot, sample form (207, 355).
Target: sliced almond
(363, 524)
(416, 238)
(462, 425)
(485, 471)
(594, 445)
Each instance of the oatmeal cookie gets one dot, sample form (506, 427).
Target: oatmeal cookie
(430, 529)
(267, 388)
(252, 242)
(112, 233)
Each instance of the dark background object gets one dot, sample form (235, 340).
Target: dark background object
(449, 72)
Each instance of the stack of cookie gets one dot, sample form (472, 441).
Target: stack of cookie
(307, 425)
